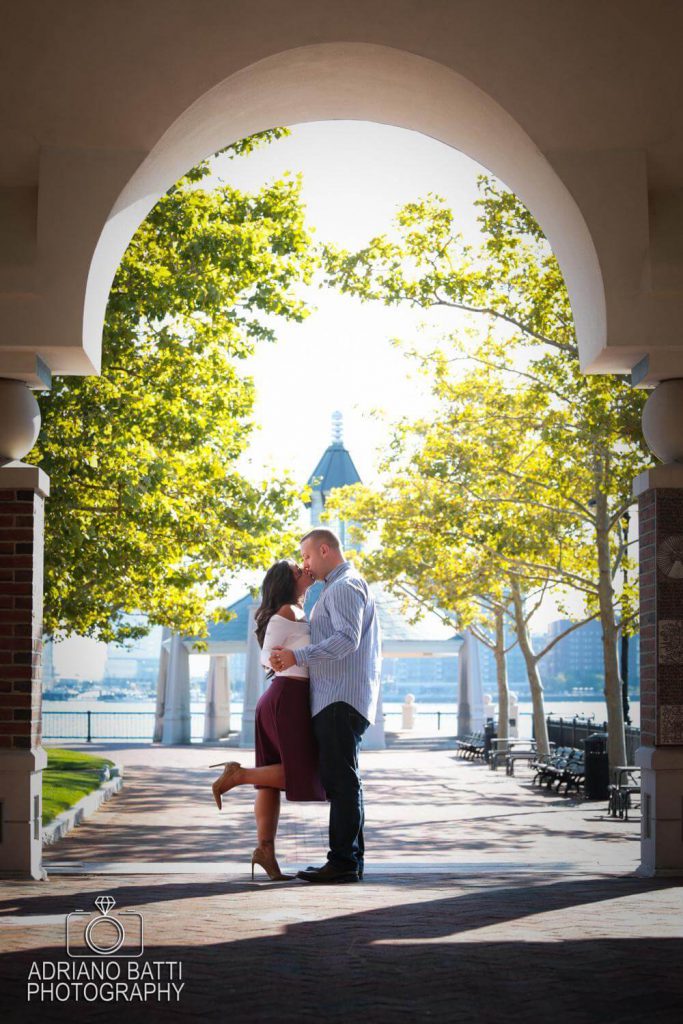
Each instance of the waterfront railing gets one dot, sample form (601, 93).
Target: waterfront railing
(571, 732)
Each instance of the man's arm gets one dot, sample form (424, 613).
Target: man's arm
(346, 604)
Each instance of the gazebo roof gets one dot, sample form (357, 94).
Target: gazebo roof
(335, 469)
(401, 638)
(428, 637)
(232, 635)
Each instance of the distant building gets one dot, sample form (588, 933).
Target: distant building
(136, 662)
(518, 678)
(577, 659)
(574, 664)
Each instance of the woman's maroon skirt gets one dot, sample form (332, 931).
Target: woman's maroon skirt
(284, 735)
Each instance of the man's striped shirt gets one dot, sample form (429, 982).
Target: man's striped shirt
(344, 657)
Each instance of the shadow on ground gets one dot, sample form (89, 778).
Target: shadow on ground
(419, 959)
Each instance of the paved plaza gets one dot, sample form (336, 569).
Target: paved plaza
(484, 900)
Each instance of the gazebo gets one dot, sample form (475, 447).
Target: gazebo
(428, 637)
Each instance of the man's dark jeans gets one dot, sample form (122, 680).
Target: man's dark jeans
(338, 729)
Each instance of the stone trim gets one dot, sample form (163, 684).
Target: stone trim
(85, 808)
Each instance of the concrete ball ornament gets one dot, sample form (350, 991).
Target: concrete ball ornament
(663, 421)
(19, 419)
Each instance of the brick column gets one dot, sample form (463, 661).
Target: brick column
(660, 504)
(23, 490)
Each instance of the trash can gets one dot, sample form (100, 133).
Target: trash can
(489, 734)
(597, 766)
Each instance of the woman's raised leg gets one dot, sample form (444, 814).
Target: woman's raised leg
(272, 775)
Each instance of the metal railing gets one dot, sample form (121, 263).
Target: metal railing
(571, 732)
(92, 726)
(438, 715)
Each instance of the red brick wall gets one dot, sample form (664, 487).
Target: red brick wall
(661, 600)
(648, 617)
(21, 613)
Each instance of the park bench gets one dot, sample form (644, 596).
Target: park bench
(511, 750)
(527, 753)
(622, 791)
(471, 746)
(565, 766)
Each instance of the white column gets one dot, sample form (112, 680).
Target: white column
(217, 714)
(254, 683)
(162, 676)
(374, 738)
(476, 689)
(470, 693)
(177, 721)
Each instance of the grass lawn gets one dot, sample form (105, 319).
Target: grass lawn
(69, 775)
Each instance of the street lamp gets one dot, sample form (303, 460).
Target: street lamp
(626, 518)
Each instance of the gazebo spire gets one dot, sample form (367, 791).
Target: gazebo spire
(337, 427)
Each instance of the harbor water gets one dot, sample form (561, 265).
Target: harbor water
(134, 719)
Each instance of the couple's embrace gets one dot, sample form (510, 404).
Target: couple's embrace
(321, 699)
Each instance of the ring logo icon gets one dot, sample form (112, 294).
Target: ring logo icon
(104, 934)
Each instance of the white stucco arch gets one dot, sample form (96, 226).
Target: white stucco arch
(358, 81)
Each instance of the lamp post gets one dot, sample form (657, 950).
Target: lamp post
(624, 638)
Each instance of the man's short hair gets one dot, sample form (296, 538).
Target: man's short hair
(323, 536)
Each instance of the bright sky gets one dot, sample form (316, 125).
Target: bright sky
(356, 176)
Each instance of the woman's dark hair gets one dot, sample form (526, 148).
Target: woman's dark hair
(278, 588)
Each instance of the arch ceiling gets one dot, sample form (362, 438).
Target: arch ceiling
(359, 81)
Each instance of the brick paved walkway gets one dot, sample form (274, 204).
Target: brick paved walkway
(483, 901)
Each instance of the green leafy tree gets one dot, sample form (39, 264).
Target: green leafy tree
(455, 526)
(529, 433)
(150, 509)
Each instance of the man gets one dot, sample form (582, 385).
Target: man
(344, 661)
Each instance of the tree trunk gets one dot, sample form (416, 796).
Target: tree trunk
(616, 739)
(501, 677)
(531, 662)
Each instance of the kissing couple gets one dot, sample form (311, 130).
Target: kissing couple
(321, 698)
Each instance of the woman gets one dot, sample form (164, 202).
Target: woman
(286, 751)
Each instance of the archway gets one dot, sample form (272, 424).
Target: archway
(375, 84)
(359, 81)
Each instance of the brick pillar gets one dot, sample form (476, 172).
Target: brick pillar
(660, 504)
(23, 490)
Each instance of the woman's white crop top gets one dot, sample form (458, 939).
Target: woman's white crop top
(282, 632)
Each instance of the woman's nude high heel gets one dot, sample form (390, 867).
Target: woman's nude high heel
(266, 859)
(219, 787)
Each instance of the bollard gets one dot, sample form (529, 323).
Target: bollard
(513, 713)
(408, 712)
